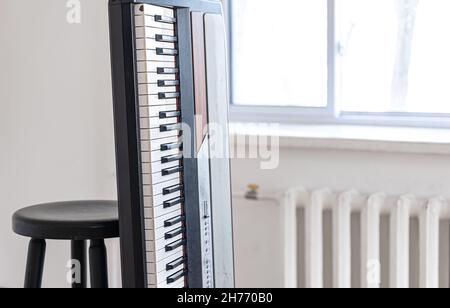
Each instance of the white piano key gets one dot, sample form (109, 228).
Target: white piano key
(152, 66)
(154, 89)
(158, 233)
(152, 212)
(150, 33)
(150, 55)
(155, 178)
(153, 100)
(158, 200)
(155, 145)
(154, 77)
(152, 10)
(161, 278)
(146, 123)
(155, 257)
(165, 285)
(155, 156)
(149, 43)
(155, 133)
(158, 267)
(155, 167)
(161, 243)
(157, 189)
(149, 21)
(158, 222)
(154, 111)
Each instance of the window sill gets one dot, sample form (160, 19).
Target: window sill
(353, 138)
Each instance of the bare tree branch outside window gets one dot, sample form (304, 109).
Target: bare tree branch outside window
(407, 11)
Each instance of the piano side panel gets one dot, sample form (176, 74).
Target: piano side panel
(217, 79)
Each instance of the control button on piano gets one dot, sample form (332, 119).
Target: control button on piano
(168, 95)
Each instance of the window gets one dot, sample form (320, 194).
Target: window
(341, 58)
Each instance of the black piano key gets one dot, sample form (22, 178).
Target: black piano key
(171, 158)
(169, 114)
(171, 146)
(167, 70)
(174, 264)
(169, 127)
(171, 189)
(168, 83)
(173, 202)
(175, 245)
(173, 170)
(166, 52)
(168, 95)
(166, 38)
(174, 233)
(173, 221)
(165, 19)
(175, 277)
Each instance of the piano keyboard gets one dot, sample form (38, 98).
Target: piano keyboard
(161, 146)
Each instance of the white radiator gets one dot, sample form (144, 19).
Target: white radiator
(430, 213)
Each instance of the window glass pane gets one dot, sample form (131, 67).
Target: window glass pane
(394, 55)
(279, 52)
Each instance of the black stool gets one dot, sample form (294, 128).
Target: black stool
(75, 221)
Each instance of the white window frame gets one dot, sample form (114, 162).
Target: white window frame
(330, 115)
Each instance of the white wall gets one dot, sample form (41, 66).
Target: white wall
(56, 140)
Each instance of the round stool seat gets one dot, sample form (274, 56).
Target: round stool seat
(77, 220)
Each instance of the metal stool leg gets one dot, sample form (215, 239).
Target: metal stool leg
(35, 264)
(98, 264)
(79, 255)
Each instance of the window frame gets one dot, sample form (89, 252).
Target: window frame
(332, 114)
